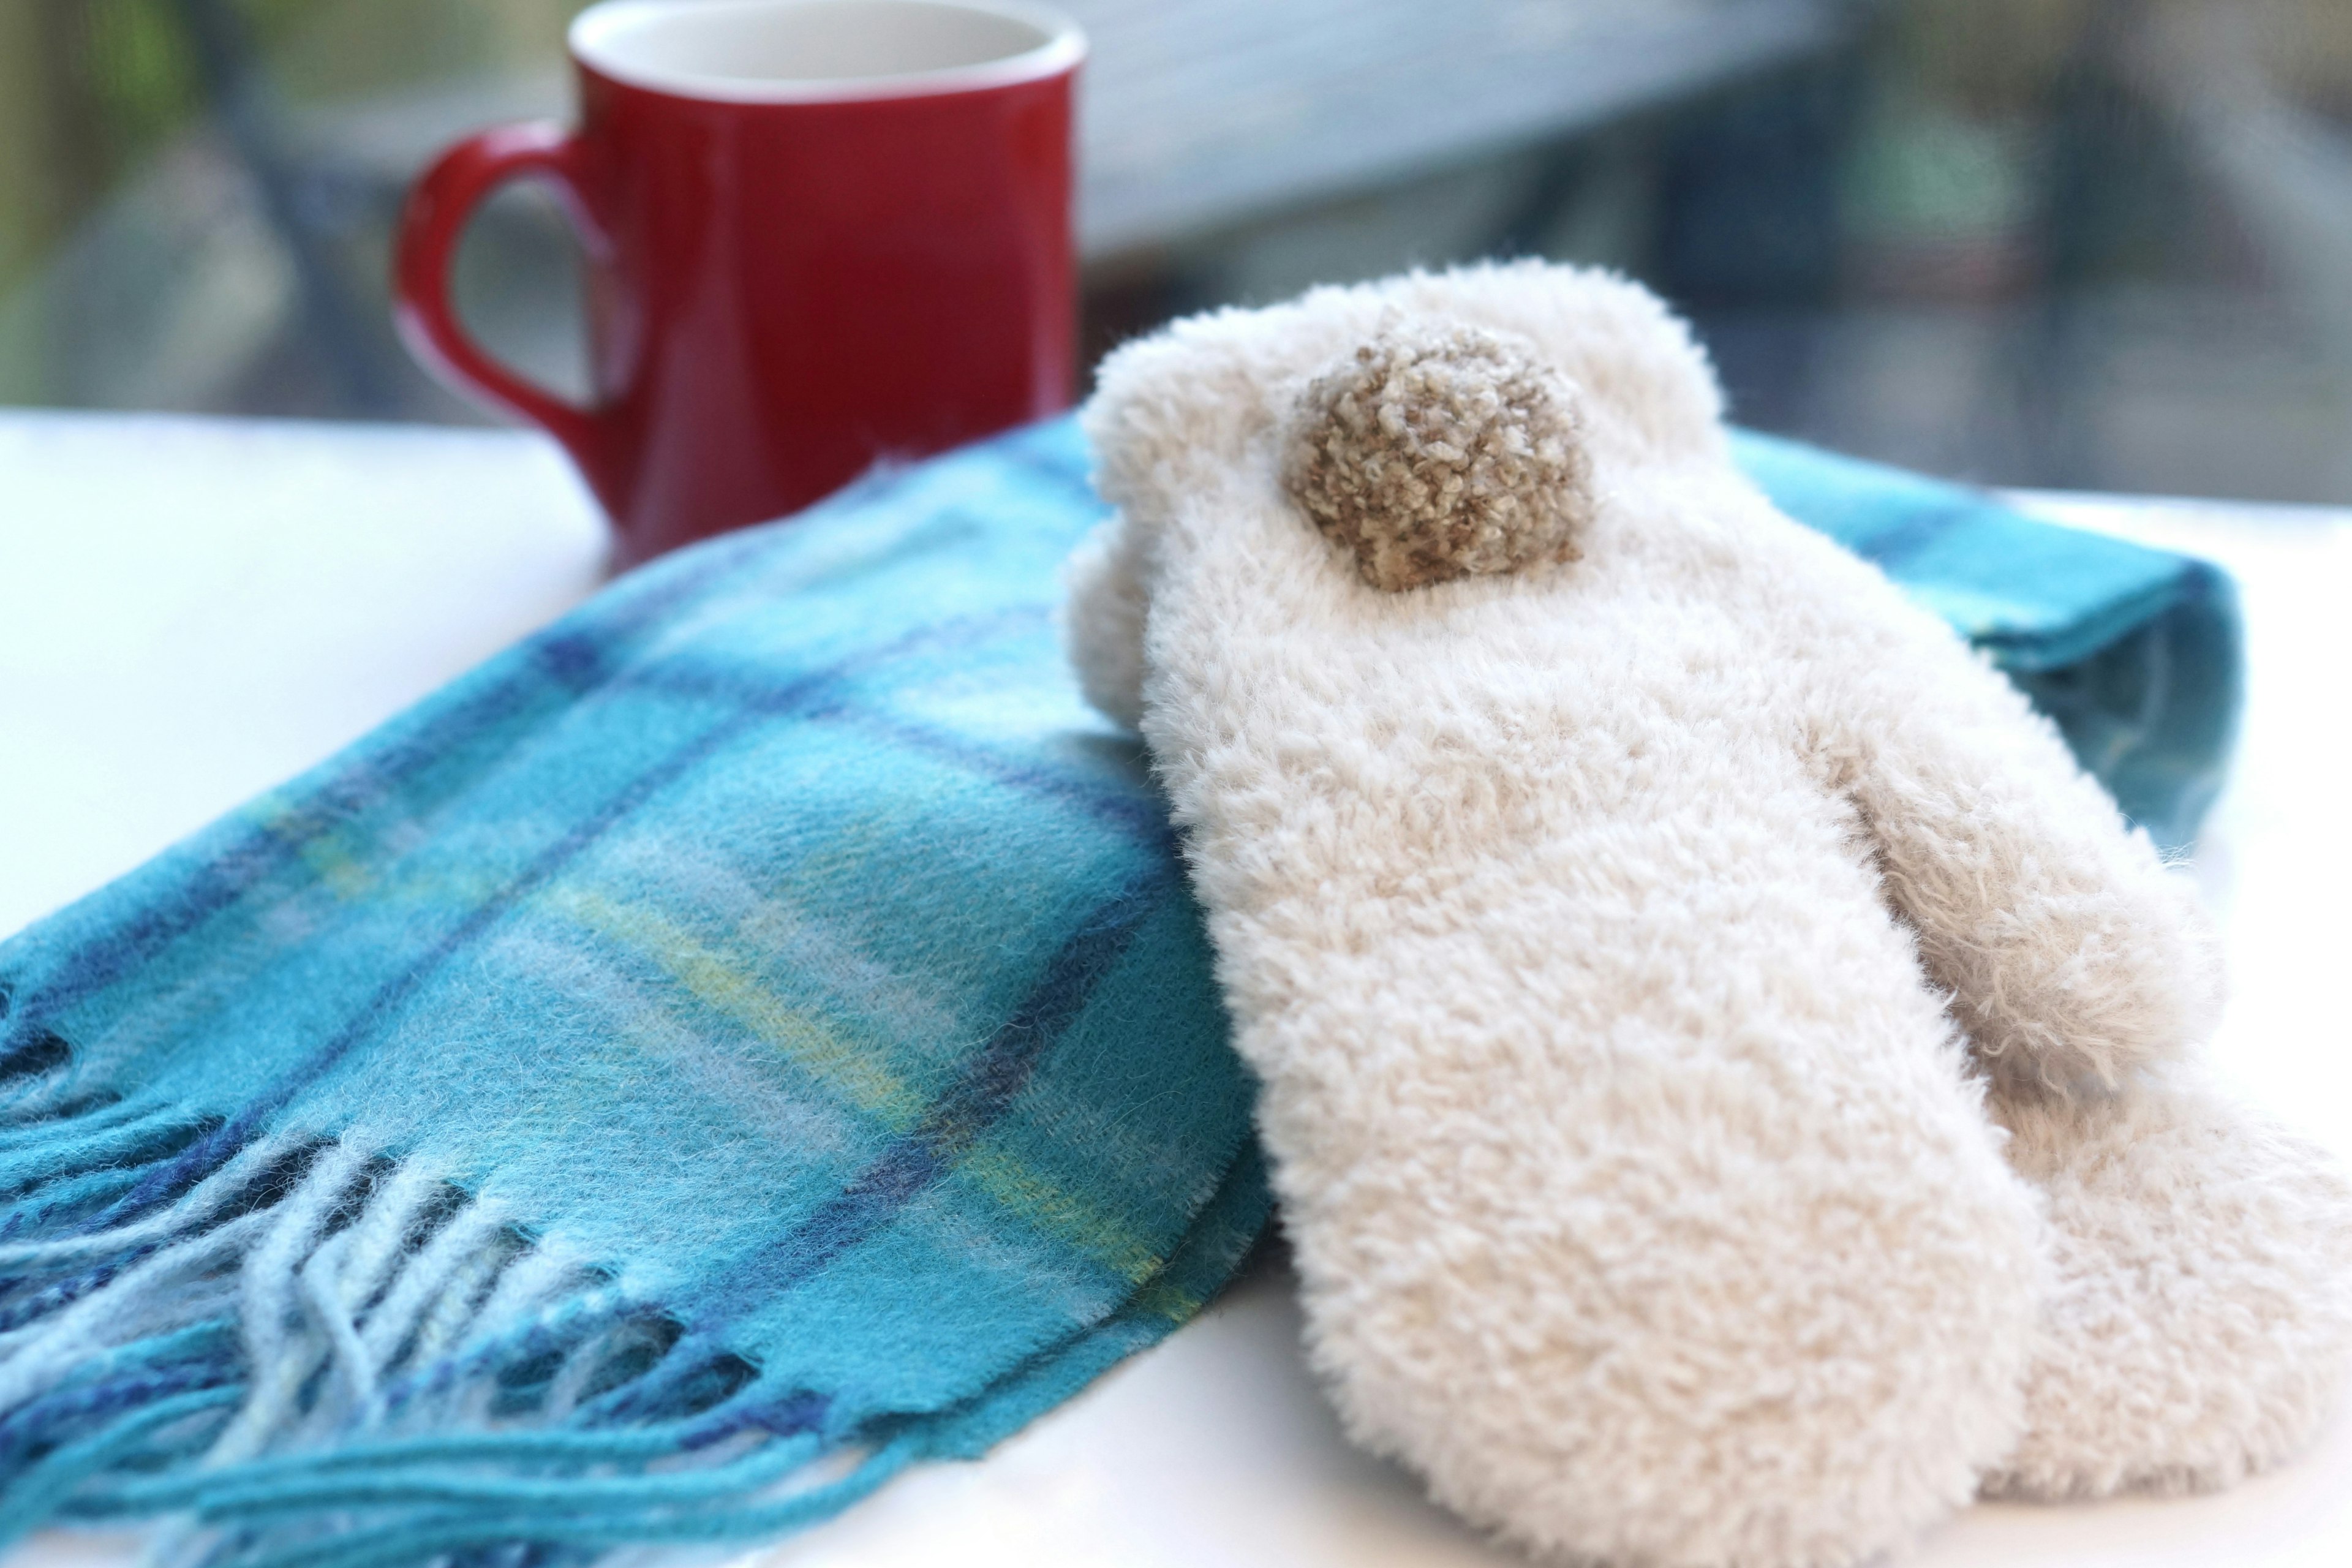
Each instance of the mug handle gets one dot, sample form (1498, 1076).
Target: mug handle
(434, 218)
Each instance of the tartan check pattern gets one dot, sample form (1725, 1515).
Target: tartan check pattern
(748, 1038)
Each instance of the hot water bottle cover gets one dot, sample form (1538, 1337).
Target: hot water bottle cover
(748, 1038)
(1727, 1069)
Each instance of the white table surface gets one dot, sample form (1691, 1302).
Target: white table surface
(190, 610)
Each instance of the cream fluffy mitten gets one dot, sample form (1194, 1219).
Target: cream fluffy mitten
(1716, 1045)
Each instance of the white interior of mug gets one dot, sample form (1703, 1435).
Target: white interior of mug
(794, 51)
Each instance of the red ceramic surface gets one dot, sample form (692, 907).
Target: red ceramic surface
(789, 278)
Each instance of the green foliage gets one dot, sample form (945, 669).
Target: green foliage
(326, 50)
(136, 80)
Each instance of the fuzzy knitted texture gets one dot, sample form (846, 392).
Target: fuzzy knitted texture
(687, 1051)
(750, 1036)
(2136, 655)
(1646, 956)
(1435, 455)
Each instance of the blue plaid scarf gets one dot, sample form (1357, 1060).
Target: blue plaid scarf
(748, 1038)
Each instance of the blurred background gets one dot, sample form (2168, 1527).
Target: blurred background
(2100, 244)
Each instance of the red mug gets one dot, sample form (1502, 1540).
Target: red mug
(819, 232)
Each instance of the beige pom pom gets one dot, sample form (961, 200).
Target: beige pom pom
(1438, 453)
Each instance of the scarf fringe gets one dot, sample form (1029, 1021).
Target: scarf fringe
(317, 1354)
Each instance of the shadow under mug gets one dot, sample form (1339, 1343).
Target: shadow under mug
(819, 232)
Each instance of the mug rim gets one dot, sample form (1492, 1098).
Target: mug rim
(1064, 46)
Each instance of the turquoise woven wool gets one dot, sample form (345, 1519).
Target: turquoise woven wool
(749, 1038)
